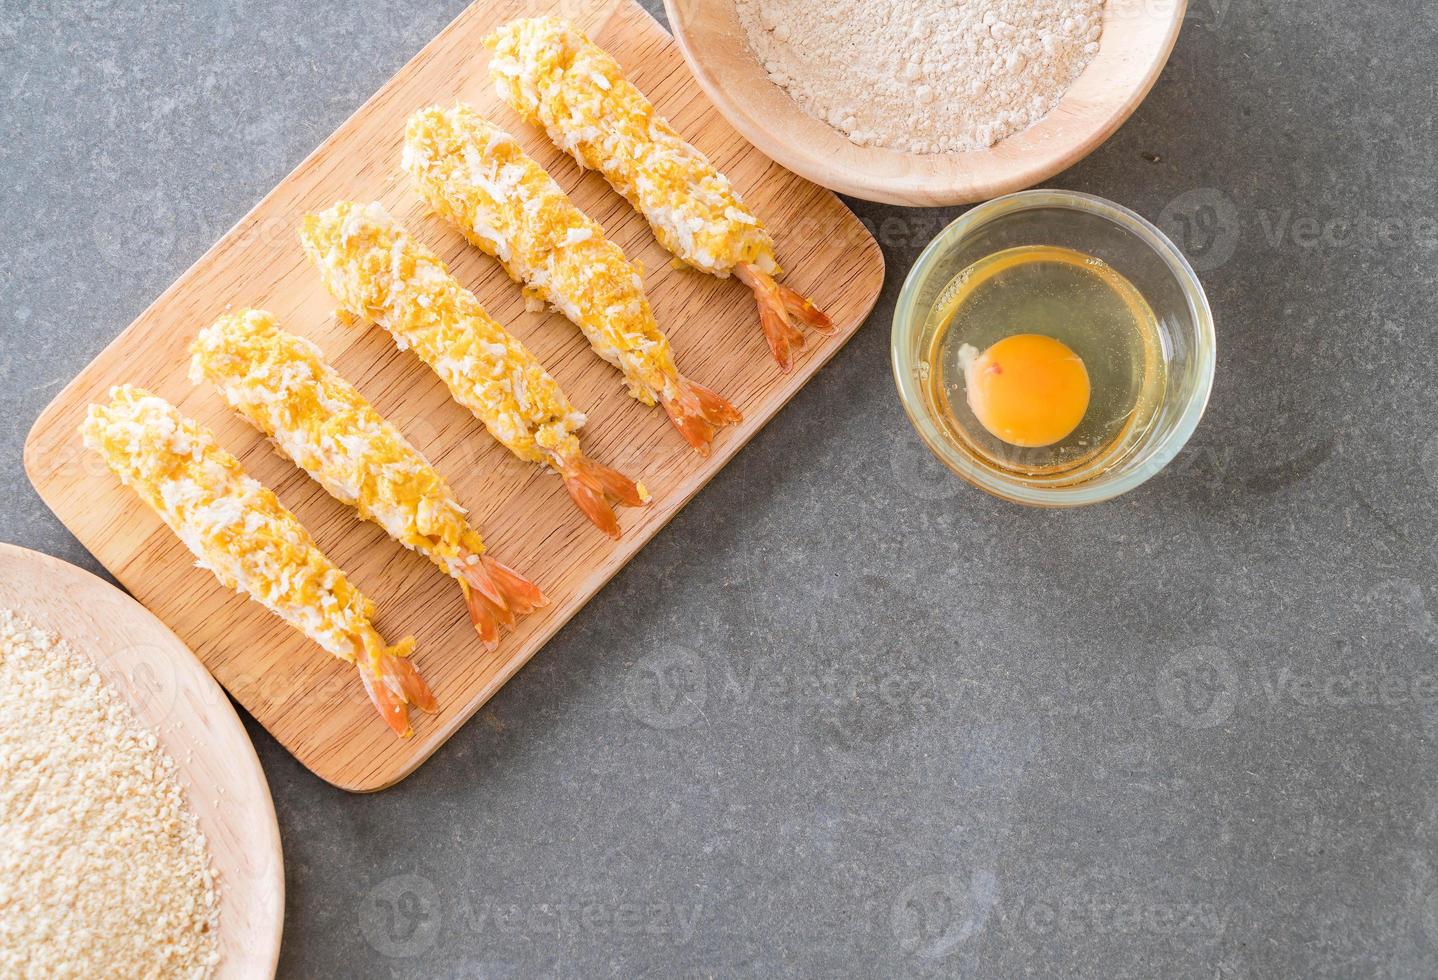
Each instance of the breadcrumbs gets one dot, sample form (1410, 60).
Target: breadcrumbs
(103, 869)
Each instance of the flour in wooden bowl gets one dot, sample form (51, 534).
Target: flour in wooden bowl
(103, 869)
(924, 76)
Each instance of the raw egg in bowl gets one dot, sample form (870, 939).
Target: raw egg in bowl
(1053, 348)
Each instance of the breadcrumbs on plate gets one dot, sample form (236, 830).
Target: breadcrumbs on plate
(103, 868)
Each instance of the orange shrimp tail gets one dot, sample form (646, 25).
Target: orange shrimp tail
(698, 413)
(484, 615)
(391, 681)
(591, 501)
(389, 706)
(411, 685)
(479, 580)
(592, 486)
(520, 594)
(801, 307)
(484, 591)
(783, 337)
(497, 594)
(778, 305)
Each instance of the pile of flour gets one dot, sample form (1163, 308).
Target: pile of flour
(924, 76)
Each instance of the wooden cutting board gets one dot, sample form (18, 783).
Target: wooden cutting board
(311, 702)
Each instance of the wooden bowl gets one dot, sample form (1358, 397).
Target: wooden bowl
(1137, 38)
(173, 695)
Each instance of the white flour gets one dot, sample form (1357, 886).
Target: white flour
(924, 76)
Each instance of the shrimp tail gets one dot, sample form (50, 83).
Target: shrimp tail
(495, 594)
(413, 687)
(391, 682)
(592, 486)
(698, 413)
(803, 308)
(483, 613)
(783, 337)
(520, 594)
(390, 707)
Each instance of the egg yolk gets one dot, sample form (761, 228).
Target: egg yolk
(1028, 390)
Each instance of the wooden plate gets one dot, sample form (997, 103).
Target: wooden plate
(176, 698)
(310, 701)
(1137, 38)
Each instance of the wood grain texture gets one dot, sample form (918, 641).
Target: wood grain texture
(175, 697)
(1137, 39)
(311, 702)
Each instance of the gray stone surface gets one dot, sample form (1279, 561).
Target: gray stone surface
(846, 715)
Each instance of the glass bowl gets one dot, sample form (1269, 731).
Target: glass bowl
(1136, 250)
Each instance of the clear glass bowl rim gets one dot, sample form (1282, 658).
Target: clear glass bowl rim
(908, 320)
